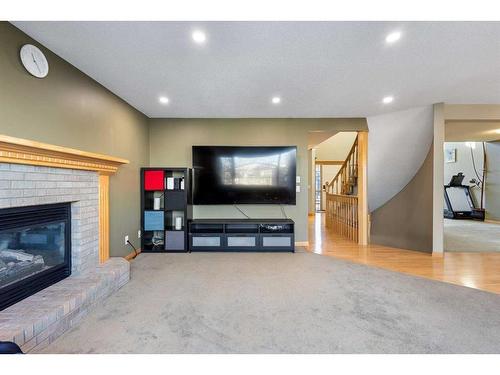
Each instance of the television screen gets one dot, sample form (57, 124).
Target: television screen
(244, 175)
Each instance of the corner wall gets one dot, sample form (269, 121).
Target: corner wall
(68, 108)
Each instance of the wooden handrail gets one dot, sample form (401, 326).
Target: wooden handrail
(346, 174)
(342, 199)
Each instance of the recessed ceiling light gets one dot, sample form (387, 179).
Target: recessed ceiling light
(199, 36)
(393, 37)
(497, 131)
(388, 99)
(163, 100)
(276, 100)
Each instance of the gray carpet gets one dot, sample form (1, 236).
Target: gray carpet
(471, 236)
(283, 303)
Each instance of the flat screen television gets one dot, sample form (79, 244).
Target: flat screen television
(244, 175)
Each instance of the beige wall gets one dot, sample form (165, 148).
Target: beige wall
(336, 147)
(68, 108)
(406, 220)
(171, 141)
(478, 131)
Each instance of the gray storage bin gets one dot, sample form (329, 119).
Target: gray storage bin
(174, 240)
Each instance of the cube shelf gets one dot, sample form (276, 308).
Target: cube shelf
(166, 208)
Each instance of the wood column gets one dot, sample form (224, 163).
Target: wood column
(363, 188)
(103, 217)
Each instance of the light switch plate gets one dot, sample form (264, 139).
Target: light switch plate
(297, 188)
(297, 179)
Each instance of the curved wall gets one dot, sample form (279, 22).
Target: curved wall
(405, 221)
(398, 144)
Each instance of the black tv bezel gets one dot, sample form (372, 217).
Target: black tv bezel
(291, 202)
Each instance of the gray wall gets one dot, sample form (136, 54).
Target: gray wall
(492, 191)
(405, 221)
(68, 108)
(171, 141)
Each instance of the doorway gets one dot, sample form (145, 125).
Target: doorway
(338, 185)
(471, 190)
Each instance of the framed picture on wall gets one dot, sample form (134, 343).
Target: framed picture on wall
(450, 155)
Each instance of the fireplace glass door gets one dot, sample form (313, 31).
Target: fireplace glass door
(35, 249)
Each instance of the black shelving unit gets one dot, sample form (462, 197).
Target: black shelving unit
(171, 188)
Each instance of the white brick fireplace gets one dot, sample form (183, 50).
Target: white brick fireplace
(27, 185)
(39, 319)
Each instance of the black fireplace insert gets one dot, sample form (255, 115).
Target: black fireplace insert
(35, 249)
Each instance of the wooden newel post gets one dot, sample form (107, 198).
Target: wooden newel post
(363, 188)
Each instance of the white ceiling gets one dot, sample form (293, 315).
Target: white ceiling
(320, 69)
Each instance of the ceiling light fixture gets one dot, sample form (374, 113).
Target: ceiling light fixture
(199, 36)
(163, 100)
(393, 37)
(276, 100)
(388, 99)
(497, 131)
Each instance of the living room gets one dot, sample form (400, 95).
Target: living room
(241, 187)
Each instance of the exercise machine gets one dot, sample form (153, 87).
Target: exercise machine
(458, 200)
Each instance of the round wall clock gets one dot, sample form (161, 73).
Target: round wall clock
(34, 61)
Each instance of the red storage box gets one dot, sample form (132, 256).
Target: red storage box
(154, 180)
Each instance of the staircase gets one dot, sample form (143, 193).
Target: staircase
(342, 197)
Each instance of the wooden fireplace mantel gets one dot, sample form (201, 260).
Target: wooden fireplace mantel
(23, 151)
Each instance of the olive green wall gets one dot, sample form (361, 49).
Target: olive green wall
(68, 108)
(171, 141)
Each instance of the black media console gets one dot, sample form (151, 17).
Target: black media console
(241, 235)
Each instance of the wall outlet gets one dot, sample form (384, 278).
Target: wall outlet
(139, 233)
(126, 240)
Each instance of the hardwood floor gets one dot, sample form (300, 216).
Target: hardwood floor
(474, 270)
